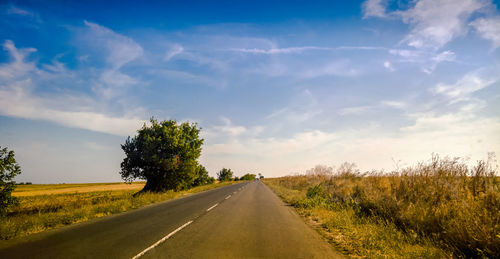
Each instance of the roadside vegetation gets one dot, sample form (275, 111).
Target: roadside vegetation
(8, 170)
(225, 175)
(38, 213)
(436, 209)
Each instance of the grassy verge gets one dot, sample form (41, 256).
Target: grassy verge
(438, 209)
(355, 236)
(42, 212)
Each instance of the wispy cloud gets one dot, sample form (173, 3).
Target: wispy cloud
(302, 49)
(489, 28)
(343, 68)
(117, 50)
(437, 22)
(303, 107)
(394, 104)
(120, 49)
(17, 98)
(374, 8)
(29, 16)
(280, 50)
(174, 51)
(388, 65)
(356, 110)
(471, 82)
(428, 60)
(19, 11)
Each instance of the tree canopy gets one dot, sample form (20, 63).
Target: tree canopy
(202, 176)
(8, 170)
(248, 177)
(225, 175)
(165, 155)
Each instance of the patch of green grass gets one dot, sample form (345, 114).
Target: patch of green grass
(42, 212)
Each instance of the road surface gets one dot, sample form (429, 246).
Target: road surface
(245, 220)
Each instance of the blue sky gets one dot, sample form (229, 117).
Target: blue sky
(278, 87)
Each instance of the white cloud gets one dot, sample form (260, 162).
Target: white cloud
(18, 67)
(427, 59)
(17, 98)
(450, 134)
(406, 53)
(437, 22)
(120, 49)
(388, 65)
(279, 50)
(294, 50)
(17, 102)
(342, 68)
(174, 51)
(467, 85)
(489, 28)
(394, 104)
(189, 78)
(19, 11)
(303, 107)
(444, 56)
(230, 129)
(356, 110)
(374, 8)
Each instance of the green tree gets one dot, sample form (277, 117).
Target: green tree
(202, 176)
(248, 177)
(8, 170)
(164, 154)
(225, 175)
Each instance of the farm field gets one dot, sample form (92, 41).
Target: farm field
(43, 189)
(42, 207)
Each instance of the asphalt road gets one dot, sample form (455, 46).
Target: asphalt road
(244, 220)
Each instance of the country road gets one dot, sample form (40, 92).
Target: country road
(245, 220)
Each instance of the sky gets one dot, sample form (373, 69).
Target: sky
(276, 86)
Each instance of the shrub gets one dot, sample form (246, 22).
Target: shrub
(225, 175)
(8, 170)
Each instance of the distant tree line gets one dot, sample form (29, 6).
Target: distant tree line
(227, 175)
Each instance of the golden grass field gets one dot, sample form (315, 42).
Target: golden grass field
(43, 189)
(47, 206)
(439, 209)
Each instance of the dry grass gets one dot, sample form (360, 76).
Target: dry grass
(408, 213)
(37, 213)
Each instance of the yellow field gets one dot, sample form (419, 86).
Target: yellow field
(47, 206)
(44, 189)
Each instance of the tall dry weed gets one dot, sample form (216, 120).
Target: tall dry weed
(443, 199)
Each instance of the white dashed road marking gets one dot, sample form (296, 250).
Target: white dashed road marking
(212, 207)
(162, 240)
(229, 196)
